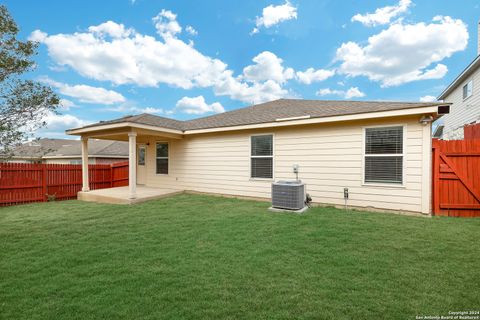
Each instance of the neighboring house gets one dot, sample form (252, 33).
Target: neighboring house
(64, 151)
(464, 94)
(381, 151)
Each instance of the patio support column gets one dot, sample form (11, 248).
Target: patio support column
(85, 181)
(132, 161)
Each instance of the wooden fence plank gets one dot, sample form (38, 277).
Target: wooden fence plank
(471, 131)
(44, 182)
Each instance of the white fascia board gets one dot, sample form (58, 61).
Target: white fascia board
(84, 130)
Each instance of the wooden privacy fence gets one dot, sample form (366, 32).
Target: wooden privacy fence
(456, 178)
(25, 182)
(471, 131)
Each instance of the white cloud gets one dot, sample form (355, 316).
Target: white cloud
(353, 92)
(132, 109)
(38, 36)
(191, 30)
(57, 68)
(404, 52)
(151, 110)
(66, 104)
(383, 15)
(428, 98)
(273, 15)
(56, 124)
(311, 75)
(136, 58)
(111, 29)
(166, 24)
(84, 93)
(63, 121)
(267, 67)
(255, 93)
(328, 91)
(197, 105)
(133, 58)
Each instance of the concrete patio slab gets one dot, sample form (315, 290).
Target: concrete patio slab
(120, 195)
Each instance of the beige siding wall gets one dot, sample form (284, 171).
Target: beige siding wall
(330, 158)
(462, 111)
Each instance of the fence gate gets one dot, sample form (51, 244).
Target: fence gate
(456, 178)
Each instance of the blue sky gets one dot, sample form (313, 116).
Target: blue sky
(186, 59)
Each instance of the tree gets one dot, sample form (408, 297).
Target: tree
(24, 104)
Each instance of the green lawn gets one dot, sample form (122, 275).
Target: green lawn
(201, 257)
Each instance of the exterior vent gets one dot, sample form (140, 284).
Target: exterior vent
(444, 109)
(288, 195)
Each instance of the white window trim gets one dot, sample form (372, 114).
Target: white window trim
(144, 146)
(168, 158)
(466, 84)
(404, 157)
(250, 157)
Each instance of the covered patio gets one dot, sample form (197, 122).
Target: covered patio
(138, 133)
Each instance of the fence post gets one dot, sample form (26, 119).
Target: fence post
(44, 181)
(111, 175)
(436, 178)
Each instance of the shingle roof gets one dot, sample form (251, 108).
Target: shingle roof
(64, 147)
(144, 118)
(287, 108)
(270, 111)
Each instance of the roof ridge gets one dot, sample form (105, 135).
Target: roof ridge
(142, 115)
(138, 116)
(359, 101)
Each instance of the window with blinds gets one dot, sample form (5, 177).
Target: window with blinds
(262, 157)
(162, 158)
(384, 155)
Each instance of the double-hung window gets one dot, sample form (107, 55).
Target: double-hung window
(384, 155)
(162, 158)
(261, 161)
(467, 89)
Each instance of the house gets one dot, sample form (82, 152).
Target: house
(381, 151)
(64, 151)
(464, 95)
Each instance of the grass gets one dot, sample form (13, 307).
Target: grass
(201, 257)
